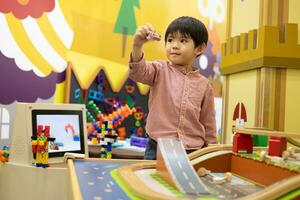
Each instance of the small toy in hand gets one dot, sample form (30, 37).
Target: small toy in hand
(153, 36)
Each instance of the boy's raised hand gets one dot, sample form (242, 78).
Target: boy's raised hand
(144, 34)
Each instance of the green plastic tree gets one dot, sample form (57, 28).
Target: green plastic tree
(126, 23)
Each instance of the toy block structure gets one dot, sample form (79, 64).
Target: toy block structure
(241, 142)
(40, 146)
(261, 65)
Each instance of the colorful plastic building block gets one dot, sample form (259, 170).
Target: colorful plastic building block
(277, 145)
(106, 145)
(121, 133)
(242, 142)
(96, 95)
(138, 141)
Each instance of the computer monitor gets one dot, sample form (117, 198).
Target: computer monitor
(66, 123)
(66, 128)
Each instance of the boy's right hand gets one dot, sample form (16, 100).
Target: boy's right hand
(144, 34)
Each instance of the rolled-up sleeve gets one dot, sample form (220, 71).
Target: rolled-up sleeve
(144, 71)
(207, 116)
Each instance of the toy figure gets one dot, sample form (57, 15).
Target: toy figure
(241, 141)
(40, 145)
(106, 145)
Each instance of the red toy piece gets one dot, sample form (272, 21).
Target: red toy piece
(242, 142)
(277, 145)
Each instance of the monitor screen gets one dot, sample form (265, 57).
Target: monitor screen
(66, 126)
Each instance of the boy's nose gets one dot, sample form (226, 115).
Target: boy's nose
(175, 45)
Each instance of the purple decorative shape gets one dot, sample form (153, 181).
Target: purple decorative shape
(61, 77)
(212, 59)
(23, 86)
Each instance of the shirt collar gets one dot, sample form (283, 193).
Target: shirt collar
(183, 70)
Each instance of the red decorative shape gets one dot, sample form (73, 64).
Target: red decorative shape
(33, 8)
(242, 142)
(84, 93)
(277, 145)
(236, 112)
(240, 112)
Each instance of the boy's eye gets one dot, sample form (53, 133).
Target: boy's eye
(169, 40)
(183, 40)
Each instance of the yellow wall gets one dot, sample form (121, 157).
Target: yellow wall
(245, 16)
(93, 23)
(292, 103)
(242, 88)
(294, 14)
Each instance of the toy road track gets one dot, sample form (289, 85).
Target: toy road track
(180, 168)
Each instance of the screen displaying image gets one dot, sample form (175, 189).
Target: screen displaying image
(65, 130)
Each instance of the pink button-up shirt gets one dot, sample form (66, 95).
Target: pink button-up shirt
(181, 105)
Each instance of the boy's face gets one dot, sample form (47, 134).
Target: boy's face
(181, 50)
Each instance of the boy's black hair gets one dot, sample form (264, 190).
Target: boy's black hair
(189, 26)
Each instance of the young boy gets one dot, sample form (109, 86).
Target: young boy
(181, 100)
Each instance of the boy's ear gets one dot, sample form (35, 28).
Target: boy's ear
(200, 49)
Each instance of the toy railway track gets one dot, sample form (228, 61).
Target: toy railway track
(267, 132)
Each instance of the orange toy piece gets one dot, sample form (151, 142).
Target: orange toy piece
(122, 133)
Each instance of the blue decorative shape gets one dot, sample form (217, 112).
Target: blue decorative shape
(95, 95)
(77, 94)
